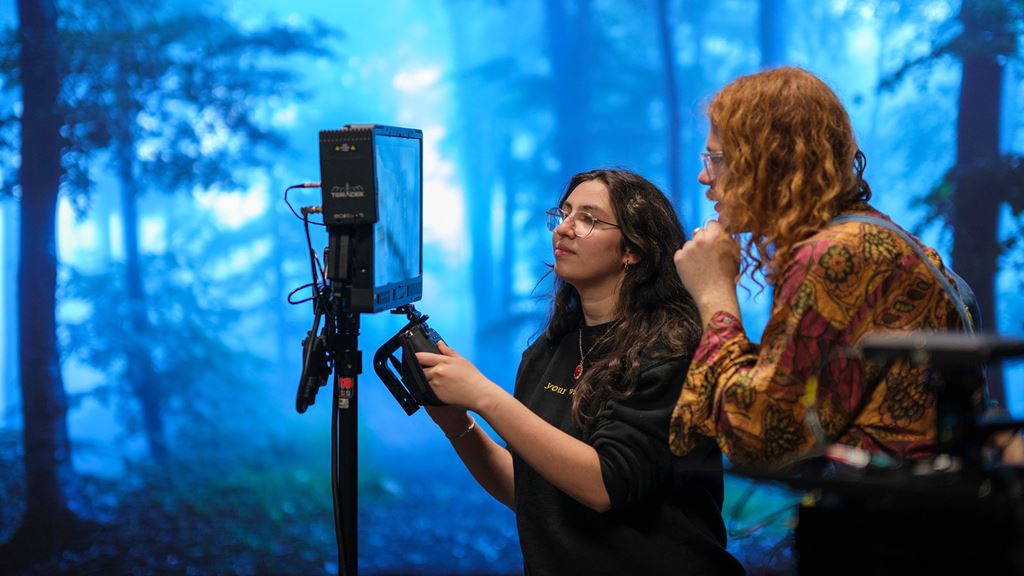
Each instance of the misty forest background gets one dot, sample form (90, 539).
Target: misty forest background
(148, 356)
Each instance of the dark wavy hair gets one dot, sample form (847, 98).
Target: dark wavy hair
(656, 316)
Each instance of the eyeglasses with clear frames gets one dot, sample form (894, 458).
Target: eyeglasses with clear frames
(711, 160)
(583, 223)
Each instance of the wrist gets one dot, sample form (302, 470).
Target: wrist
(454, 426)
(711, 306)
(489, 400)
(460, 433)
(450, 419)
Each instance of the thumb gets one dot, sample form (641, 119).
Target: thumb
(446, 350)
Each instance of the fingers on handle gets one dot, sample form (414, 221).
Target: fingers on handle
(426, 359)
(446, 349)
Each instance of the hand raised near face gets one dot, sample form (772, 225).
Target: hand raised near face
(708, 266)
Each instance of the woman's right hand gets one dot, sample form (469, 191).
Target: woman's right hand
(708, 266)
(454, 379)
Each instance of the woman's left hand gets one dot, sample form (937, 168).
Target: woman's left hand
(454, 379)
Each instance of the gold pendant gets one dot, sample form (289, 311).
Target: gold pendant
(578, 371)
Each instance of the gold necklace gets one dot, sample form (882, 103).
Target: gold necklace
(578, 371)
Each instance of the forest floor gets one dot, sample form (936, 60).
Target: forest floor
(270, 513)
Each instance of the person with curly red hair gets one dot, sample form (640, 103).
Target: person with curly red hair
(784, 170)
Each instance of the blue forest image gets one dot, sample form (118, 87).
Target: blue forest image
(156, 285)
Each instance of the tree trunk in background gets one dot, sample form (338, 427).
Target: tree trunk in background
(103, 207)
(482, 135)
(772, 32)
(976, 203)
(692, 101)
(771, 25)
(139, 369)
(286, 349)
(666, 42)
(48, 519)
(10, 403)
(568, 35)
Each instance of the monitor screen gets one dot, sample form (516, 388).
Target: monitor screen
(397, 232)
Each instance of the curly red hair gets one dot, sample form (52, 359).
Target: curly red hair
(792, 162)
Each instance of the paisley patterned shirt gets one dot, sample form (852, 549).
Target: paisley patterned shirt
(844, 282)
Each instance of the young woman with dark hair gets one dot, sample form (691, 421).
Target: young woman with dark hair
(587, 467)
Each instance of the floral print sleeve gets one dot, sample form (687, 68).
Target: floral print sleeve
(844, 282)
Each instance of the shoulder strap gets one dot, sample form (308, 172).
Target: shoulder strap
(962, 297)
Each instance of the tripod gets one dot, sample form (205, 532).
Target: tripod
(336, 349)
(372, 205)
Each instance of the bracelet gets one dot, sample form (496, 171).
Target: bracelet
(472, 424)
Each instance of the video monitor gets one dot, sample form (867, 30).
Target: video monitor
(372, 191)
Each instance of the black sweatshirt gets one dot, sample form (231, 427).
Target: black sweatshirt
(665, 515)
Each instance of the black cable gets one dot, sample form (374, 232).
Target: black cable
(300, 288)
(318, 288)
(289, 204)
(312, 260)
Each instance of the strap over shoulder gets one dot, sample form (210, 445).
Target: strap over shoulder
(962, 296)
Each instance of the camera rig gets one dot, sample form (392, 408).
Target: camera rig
(371, 202)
